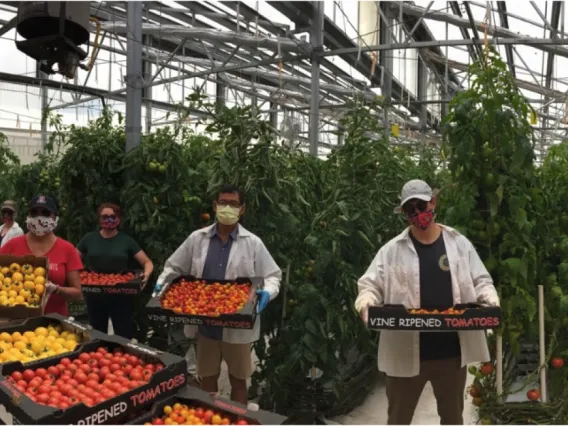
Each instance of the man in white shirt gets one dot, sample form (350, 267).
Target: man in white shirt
(428, 266)
(225, 250)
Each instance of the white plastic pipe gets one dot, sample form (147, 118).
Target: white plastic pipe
(542, 344)
(499, 366)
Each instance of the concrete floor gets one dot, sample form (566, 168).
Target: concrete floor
(374, 410)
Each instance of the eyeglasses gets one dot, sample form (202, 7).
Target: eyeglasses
(411, 206)
(40, 212)
(225, 203)
(108, 217)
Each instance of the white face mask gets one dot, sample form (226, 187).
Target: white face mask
(228, 215)
(41, 225)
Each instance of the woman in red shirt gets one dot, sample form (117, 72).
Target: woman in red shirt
(64, 262)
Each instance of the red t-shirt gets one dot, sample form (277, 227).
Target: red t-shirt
(62, 258)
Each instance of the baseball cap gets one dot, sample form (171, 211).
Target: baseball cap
(9, 205)
(45, 202)
(415, 189)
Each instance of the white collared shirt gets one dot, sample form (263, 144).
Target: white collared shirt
(394, 278)
(249, 257)
(13, 232)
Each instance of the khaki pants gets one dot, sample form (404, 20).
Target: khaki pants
(210, 353)
(448, 379)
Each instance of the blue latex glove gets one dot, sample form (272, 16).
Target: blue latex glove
(157, 289)
(263, 299)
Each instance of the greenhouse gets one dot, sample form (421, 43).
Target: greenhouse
(277, 212)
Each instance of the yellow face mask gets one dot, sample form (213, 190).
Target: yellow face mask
(228, 215)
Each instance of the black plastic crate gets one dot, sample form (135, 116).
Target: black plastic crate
(163, 383)
(195, 397)
(243, 319)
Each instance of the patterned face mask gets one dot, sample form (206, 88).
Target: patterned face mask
(41, 225)
(109, 222)
(422, 220)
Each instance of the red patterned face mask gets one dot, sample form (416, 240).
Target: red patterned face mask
(422, 220)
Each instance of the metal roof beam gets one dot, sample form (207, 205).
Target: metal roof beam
(491, 30)
(454, 5)
(554, 22)
(502, 9)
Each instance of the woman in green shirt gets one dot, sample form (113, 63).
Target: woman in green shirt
(110, 251)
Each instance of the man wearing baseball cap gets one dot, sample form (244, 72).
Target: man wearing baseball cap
(429, 266)
(9, 227)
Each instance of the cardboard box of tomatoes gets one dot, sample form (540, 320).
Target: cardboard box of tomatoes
(187, 300)
(194, 406)
(125, 283)
(97, 384)
(16, 272)
(469, 316)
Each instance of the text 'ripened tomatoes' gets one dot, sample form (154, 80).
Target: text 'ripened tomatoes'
(201, 298)
(94, 278)
(92, 378)
(182, 414)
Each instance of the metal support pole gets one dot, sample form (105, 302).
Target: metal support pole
(274, 114)
(387, 61)
(423, 92)
(316, 37)
(220, 91)
(147, 91)
(134, 79)
(43, 94)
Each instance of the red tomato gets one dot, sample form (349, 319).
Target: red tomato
(136, 375)
(104, 363)
(117, 351)
(107, 394)
(85, 357)
(62, 369)
(81, 377)
(63, 405)
(53, 370)
(16, 375)
(122, 389)
(35, 382)
(77, 362)
(65, 361)
(73, 382)
(28, 375)
(119, 373)
(114, 367)
(85, 368)
(42, 398)
(132, 360)
(44, 389)
(97, 356)
(89, 402)
(92, 384)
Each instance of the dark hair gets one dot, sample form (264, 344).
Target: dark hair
(231, 189)
(115, 208)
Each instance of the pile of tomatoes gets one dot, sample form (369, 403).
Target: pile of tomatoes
(450, 311)
(92, 378)
(94, 278)
(182, 414)
(201, 298)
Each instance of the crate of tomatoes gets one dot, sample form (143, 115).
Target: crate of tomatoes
(124, 283)
(187, 300)
(467, 316)
(99, 383)
(194, 406)
(38, 338)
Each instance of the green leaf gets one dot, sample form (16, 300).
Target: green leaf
(499, 193)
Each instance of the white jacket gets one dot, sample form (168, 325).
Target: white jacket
(394, 278)
(248, 258)
(14, 231)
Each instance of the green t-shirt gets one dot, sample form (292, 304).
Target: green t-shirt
(109, 255)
